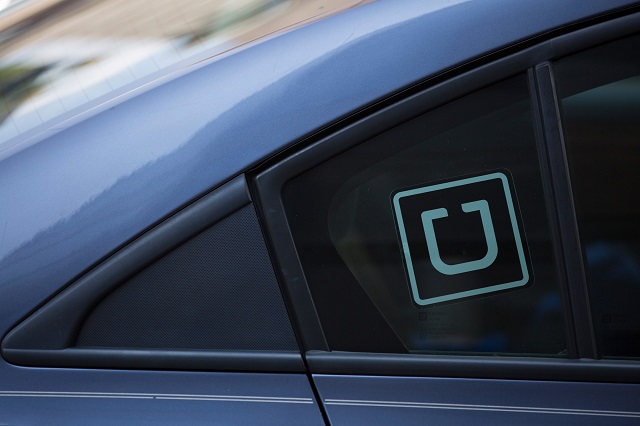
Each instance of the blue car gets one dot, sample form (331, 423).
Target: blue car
(409, 212)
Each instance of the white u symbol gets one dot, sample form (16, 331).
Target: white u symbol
(434, 253)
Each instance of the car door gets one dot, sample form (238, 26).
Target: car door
(435, 259)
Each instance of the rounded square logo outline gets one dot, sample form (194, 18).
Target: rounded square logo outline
(469, 293)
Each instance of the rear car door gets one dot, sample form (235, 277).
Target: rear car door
(437, 265)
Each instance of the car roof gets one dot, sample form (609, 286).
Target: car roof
(79, 188)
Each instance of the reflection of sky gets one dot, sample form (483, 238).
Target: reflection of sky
(622, 100)
(7, 6)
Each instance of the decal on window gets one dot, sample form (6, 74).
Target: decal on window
(461, 238)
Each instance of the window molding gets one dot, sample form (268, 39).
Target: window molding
(582, 329)
(476, 367)
(205, 360)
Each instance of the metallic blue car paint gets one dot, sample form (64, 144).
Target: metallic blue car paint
(351, 400)
(73, 197)
(65, 397)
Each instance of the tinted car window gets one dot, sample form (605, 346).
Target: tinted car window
(600, 98)
(433, 236)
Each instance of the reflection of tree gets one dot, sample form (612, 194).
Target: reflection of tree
(17, 83)
(230, 16)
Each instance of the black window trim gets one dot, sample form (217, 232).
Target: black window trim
(46, 337)
(581, 322)
(267, 181)
(475, 367)
(542, 114)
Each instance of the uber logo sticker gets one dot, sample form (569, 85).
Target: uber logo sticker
(461, 239)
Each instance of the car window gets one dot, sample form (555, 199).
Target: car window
(434, 236)
(600, 98)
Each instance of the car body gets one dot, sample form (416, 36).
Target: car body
(94, 199)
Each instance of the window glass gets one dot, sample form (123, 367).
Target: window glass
(433, 236)
(600, 98)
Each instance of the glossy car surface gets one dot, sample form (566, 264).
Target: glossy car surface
(77, 190)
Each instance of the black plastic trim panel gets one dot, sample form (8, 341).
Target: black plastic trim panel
(288, 269)
(47, 337)
(568, 230)
(539, 97)
(56, 324)
(477, 367)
